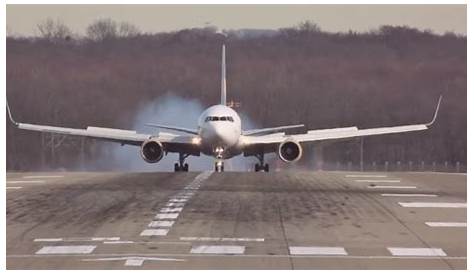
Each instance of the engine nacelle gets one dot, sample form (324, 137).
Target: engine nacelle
(152, 151)
(290, 151)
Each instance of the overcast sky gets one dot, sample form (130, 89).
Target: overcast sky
(22, 19)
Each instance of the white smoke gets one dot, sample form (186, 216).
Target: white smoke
(170, 110)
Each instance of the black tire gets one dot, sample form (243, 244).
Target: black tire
(176, 167)
(216, 168)
(257, 167)
(186, 167)
(266, 168)
(222, 168)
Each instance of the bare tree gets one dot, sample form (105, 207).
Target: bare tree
(128, 30)
(102, 29)
(54, 30)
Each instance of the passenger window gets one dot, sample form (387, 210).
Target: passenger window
(223, 118)
(214, 118)
(208, 119)
(230, 118)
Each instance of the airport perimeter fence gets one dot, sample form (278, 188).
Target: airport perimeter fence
(422, 166)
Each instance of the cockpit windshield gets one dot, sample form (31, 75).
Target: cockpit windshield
(221, 118)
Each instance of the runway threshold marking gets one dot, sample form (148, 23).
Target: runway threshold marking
(438, 205)
(429, 252)
(446, 224)
(393, 187)
(377, 181)
(408, 195)
(365, 176)
(218, 249)
(171, 209)
(166, 216)
(316, 250)
(67, 249)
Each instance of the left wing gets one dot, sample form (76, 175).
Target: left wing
(269, 143)
(269, 130)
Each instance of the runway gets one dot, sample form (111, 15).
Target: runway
(276, 220)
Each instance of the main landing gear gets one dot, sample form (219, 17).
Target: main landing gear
(261, 166)
(181, 166)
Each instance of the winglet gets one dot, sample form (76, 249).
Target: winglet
(436, 112)
(10, 114)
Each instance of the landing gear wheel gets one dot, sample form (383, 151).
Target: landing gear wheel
(176, 167)
(219, 166)
(181, 166)
(186, 167)
(266, 168)
(257, 167)
(261, 166)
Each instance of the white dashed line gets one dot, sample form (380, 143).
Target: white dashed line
(161, 224)
(393, 187)
(67, 249)
(154, 232)
(85, 239)
(222, 239)
(317, 250)
(42, 176)
(446, 224)
(218, 249)
(378, 181)
(133, 261)
(26, 182)
(166, 216)
(48, 240)
(440, 205)
(14, 187)
(428, 252)
(171, 209)
(365, 176)
(407, 195)
(118, 242)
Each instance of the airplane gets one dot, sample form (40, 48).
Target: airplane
(219, 134)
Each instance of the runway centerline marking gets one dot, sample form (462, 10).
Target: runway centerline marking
(161, 216)
(377, 181)
(393, 187)
(155, 232)
(67, 249)
(79, 239)
(161, 224)
(403, 251)
(218, 249)
(439, 205)
(316, 250)
(133, 261)
(446, 224)
(171, 209)
(408, 195)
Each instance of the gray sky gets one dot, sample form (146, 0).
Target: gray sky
(22, 19)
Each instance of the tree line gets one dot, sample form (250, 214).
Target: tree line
(389, 76)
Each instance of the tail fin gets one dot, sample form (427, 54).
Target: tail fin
(223, 82)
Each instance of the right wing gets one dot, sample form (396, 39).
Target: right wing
(171, 142)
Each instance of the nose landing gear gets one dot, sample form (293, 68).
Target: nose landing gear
(219, 164)
(181, 166)
(261, 166)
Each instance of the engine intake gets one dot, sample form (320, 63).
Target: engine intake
(290, 151)
(152, 151)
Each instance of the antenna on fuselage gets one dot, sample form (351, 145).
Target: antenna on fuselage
(223, 82)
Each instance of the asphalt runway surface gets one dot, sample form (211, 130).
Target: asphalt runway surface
(276, 220)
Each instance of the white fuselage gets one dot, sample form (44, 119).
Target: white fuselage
(220, 128)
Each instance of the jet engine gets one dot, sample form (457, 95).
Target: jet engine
(290, 151)
(152, 151)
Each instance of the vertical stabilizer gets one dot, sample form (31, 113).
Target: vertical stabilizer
(223, 82)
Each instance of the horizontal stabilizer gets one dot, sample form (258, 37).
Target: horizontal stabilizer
(269, 130)
(180, 129)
